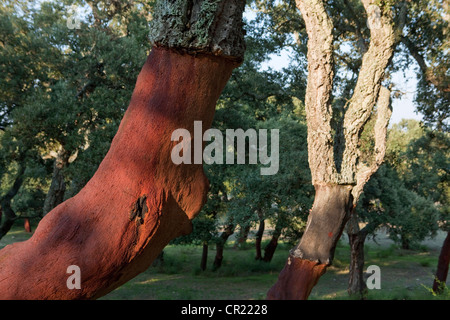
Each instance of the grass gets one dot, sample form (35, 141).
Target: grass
(405, 274)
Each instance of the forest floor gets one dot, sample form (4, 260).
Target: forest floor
(405, 274)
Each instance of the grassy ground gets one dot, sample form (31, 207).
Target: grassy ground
(405, 274)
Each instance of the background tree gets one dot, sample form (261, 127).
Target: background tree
(393, 202)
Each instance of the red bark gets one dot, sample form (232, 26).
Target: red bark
(443, 264)
(137, 201)
(27, 225)
(309, 260)
(296, 280)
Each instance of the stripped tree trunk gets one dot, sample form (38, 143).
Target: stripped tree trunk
(138, 200)
(442, 267)
(27, 225)
(337, 174)
(269, 250)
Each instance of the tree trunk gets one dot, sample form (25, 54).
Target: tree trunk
(5, 203)
(308, 261)
(333, 143)
(405, 242)
(55, 194)
(443, 265)
(269, 250)
(138, 200)
(27, 225)
(229, 230)
(204, 260)
(258, 239)
(356, 284)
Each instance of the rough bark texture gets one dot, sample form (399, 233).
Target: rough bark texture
(198, 26)
(333, 151)
(318, 91)
(137, 201)
(443, 265)
(366, 92)
(366, 170)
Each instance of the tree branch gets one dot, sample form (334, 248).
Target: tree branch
(367, 88)
(430, 77)
(361, 42)
(364, 172)
(319, 27)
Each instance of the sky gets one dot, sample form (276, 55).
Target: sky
(402, 108)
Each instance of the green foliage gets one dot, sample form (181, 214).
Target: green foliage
(65, 88)
(408, 195)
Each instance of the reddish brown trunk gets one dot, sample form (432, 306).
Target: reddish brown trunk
(308, 261)
(27, 225)
(443, 265)
(137, 201)
(269, 251)
(296, 280)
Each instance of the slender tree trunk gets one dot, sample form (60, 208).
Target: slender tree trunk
(5, 203)
(258, 239)
(443, 265)
(229, 230)
(27, 225)
(138, 200)
(55, 194)
(269, 250)
(356, 237)
(204, 260)
(405, 242)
